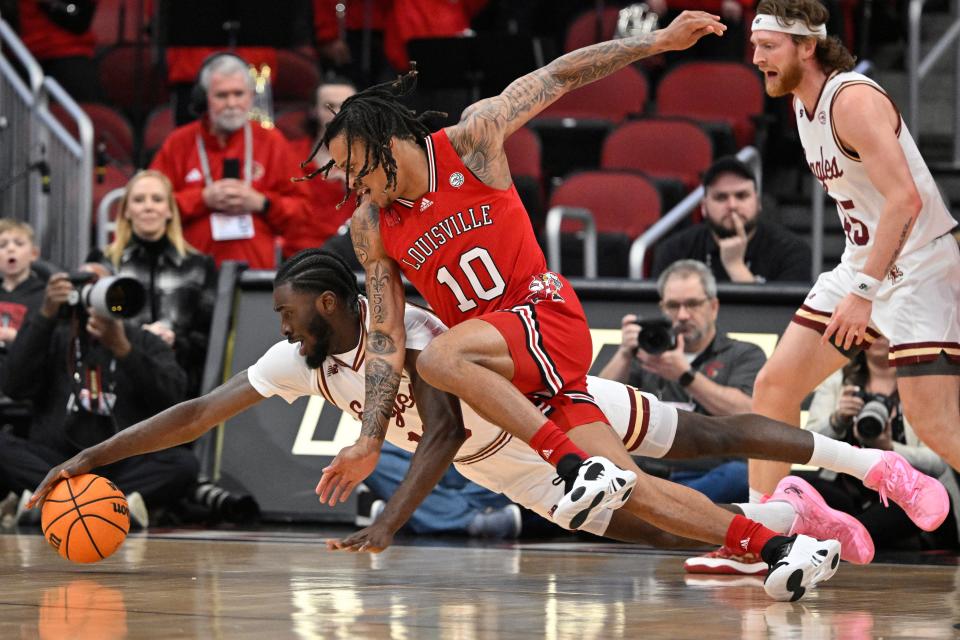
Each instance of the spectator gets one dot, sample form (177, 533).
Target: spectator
(326, 213)
(90, 376)
(733, 240)
(841, 409)
(231, 177)
(455, 506)
(58, 35)
(706, 372)
(22, 290)
(181, 283)
(407, 21)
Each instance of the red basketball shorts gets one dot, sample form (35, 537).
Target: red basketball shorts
(552, 351)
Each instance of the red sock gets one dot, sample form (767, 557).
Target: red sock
(552, 443)
(746, 535)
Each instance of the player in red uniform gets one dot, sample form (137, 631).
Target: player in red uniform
(442, 209)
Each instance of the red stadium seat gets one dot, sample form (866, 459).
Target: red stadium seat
(714, 91)
(131, 81)
(660, 148)
(293, 124)
(611, 98)
(620, 201)
(159, 125)
(583, 30)
(523, 154)
(117, 22)
(110, 177)
(295, 79)
(110, 128)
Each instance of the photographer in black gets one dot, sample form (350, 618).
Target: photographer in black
(686, 362)
(860, 405)
(90, 375)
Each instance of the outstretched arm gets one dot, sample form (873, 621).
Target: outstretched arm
(179, 424)
(384, 358)
(443, 433)
(478, 137)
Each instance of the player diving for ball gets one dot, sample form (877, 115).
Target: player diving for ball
(325, 321)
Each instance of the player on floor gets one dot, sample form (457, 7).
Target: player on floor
(900, 271)
(326, 323)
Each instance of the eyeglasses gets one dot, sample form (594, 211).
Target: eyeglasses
(672, 307)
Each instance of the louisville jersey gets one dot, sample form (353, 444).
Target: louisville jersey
(468, 248)
(843, 176)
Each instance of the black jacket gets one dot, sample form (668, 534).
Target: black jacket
(773, 253)
(40, 367)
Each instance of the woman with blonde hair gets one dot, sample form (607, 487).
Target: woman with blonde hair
(180, 282)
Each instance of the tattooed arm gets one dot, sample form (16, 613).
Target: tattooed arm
(479, 135)
(386, 349)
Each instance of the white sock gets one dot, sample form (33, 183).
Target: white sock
(841, 457)
(756, 497)
(774, 515)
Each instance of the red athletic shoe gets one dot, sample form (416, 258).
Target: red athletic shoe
(727, 561)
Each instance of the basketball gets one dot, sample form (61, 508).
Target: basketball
(85, 518)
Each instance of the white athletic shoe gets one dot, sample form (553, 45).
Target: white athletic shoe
(139, 517)
(801, 564)
(597, 484)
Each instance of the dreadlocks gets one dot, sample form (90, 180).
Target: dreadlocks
(375, 116)
(317, 271)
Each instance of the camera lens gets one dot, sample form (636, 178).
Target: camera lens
(872, 418)
(119, 296)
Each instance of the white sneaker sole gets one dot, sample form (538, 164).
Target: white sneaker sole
(809, 563)
(578, 505)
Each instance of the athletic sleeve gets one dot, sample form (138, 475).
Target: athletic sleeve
(282, 371)
(422, 326)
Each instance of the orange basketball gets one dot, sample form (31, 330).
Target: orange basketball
(85, 518)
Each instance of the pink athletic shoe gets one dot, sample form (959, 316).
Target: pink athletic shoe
(923, 498)
(817, 520)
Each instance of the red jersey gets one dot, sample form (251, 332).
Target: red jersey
(468, 248)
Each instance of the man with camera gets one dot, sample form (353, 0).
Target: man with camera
(89, 376)
(684, 361)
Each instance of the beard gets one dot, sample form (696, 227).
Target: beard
(230, 120)
(318, 329)
(788, 80)
(722, 232)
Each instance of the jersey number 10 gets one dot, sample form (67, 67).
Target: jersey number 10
(467, 261)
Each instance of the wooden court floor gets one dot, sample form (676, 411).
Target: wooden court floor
(189, 584)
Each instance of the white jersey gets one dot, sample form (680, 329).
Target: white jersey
(283, 372)
(840, 171)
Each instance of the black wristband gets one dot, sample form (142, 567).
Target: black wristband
(686, 378)
(266, 205)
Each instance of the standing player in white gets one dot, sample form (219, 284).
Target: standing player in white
(900, 271)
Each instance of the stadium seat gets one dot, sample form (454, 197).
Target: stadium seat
(523, 153)
(727, 92)
(159, 125)
(295, 79)
(110, 128)
(624, 204)
(661, 148)
(131, 81)
(583, 30)
(611, 98)
(293, 124)
(110, 177)
(620, 201)
(116, 22)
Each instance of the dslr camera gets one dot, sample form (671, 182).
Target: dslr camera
(117, 296)
(657, 335)
(875, 413)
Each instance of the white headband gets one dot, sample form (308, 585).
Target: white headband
(767, 22)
